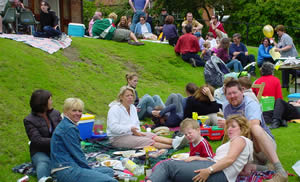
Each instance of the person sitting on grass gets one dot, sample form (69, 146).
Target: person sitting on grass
(199, 146)
(246, 84)
(105, 30)
(169, 31)
(40, 125)
(68, 161)
(123, 126)
(146, 104)
(272, 84)
(228, 162)
(206, 52)
(204, 103)
(48, 22)
(222, 52)
(97, 16)
(264, 52)
(188, 47)
(143, 30)
(123, 24)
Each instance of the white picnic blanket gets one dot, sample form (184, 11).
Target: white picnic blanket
(45, 44)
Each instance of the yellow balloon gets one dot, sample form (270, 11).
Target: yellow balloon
(268, 31)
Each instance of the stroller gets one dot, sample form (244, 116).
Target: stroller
(214, 71)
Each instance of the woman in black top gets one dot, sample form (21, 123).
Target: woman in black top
(40, 125)
(48, 22)
(202, 102)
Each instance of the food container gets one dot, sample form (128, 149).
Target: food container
(102, 157)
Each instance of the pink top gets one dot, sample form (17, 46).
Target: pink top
(91, 23)
(219, 26)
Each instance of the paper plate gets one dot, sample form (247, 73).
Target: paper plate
(111, 163)
(181, 156)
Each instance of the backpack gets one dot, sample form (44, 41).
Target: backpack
(214, 71)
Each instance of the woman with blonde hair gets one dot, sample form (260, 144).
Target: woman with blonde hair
(225, 166)
(123, 125)
(123, 23)
(68, 161)
(204, 103)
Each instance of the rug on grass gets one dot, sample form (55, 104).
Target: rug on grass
(45, 44)
(91, 151)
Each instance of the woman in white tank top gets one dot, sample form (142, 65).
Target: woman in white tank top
(229, 161)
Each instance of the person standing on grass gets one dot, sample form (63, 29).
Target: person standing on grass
(188, 47)
(139, 9)
(286, 48)
(40, 125)
(264, 143)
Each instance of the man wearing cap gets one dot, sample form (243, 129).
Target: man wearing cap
(197, 27)
(161, 21)
(139, 8)
(216, 27)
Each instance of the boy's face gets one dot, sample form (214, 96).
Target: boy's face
(193, 135)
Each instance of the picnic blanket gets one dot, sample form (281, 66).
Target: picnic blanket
(91, 151)
(45, 44)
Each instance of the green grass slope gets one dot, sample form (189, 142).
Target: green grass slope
(92, 70)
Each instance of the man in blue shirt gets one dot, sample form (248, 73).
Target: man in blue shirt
(263, 140)
(238, 50)
(138, 7)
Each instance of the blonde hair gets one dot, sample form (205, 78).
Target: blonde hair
(189, 123)
(130, 76)
(122, 92)
(113, 16)
(245, 82)
(243, 124)
(206, 44)
(73, 103)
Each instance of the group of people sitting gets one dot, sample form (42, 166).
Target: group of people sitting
(55, 141)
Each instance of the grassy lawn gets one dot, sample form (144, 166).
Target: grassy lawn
(94, 70)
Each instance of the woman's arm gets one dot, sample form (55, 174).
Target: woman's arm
(236, 147)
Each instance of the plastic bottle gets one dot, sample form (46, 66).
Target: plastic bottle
(199, 121)
(129, 164)
(147, 165)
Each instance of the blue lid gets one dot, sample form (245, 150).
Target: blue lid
(294, 95)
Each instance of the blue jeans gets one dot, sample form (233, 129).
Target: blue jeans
(178, 171)
(41, 162)
(235, 64)
(78, 174)
(147, 104)
(48, 32)
(177, 100)
(186, 57)
(136, 19)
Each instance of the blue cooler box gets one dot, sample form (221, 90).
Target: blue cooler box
(76, 29)
(85, 126)
(294, 97)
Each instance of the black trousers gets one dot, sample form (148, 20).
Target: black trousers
(246, 60)
(282, 111)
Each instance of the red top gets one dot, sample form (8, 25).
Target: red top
(187, 43)
(219, 26)
(272, 86)
(203, 149)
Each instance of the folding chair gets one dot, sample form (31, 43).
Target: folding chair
(10, 17)
(261, 89)
(27, 18)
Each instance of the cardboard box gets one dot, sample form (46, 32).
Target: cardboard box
(267, 103)
(76, 29)
(85, 126)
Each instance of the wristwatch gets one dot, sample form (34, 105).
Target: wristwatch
(211, 170)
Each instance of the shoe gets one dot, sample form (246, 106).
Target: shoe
(275, 123)
(62, 37)
(278, 177)
(179, 142)
(193, 62)
(283, 123)
(46, 179)
(135, 43)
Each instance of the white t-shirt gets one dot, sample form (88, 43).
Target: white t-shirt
(234, 169)
(144, 28)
